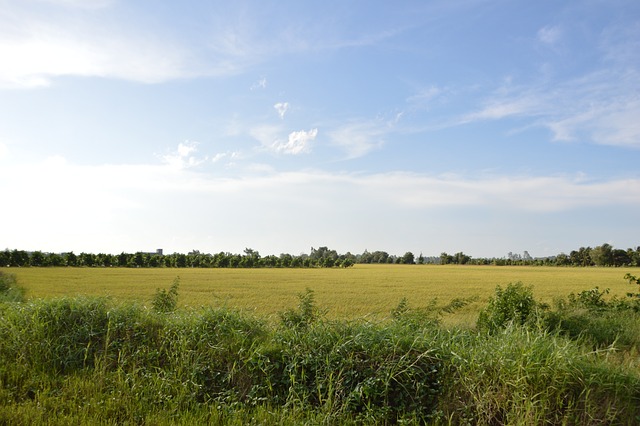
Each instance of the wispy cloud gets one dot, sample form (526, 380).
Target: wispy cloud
(601, 107)
(598, 106)
(297, 143)
(549, 35)
(358, 138)
(260, 84)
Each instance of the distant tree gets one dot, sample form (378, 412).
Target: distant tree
(37, 259)
(347, 263)
(87, 259)
(322, 253)
(19, 258)
(602, 255)
(365, 257)
(70, 259)
(461, 258)
(5, 258)
(181, 260)
(620, 258)
(54, 259)
(407, 259)
(562, 260)
(445, 258)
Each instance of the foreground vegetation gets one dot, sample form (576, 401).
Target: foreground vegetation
(88, 360)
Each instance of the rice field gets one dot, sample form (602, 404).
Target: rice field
(360, 291)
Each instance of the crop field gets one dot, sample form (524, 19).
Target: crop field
(360, 291)
(252, 346)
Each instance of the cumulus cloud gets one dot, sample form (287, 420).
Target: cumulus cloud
(282, 108)
(298, 142)
(182, 157)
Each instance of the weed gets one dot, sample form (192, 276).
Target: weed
(304, 315)
(166, 301)
(515, 304)
(9, 289)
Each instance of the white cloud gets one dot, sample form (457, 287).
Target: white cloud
(523, 104)
(181, 158)
(39, 43)
(282, 108)
(128, 207)
(260, 84)
(267, 135)
(219, 156)
(426, 95)
(298, 142)
(358, 138)
(601, 107)
(549, 35)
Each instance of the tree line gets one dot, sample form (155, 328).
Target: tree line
(322, 257)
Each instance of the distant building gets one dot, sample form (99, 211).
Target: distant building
(158, 252)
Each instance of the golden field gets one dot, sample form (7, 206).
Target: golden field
(360, 291)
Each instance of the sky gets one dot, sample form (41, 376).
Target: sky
(430, 126)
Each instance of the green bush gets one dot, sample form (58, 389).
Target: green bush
(166, 301)
(513, 305)
(305, 314)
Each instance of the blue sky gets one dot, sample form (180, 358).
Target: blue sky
(483, 126)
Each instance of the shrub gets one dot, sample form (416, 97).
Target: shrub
(304, 315)
(592, 300)
(596, 322)
(515, 304)
(166, 301)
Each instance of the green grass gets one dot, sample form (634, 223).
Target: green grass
(364, 290)
(93, 361)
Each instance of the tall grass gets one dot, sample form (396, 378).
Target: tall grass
(95, 361)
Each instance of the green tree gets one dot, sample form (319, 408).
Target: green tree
(461, 259)
(445, 258)
(603, 255)
(37, 259)
(5, 258)
(408, 258)
(70, 259)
